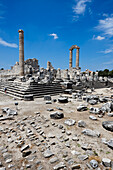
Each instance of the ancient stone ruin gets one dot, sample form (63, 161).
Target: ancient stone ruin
(28, 78)
(71, 56)
(65, 121)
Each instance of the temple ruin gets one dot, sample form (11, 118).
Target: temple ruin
(71, 56)
(28, 78)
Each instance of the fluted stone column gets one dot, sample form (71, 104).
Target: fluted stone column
(21, 52)
(77, 57)
(58, 76)
(48, 65)
(70, 59)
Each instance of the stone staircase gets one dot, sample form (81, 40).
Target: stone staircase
(20, 89)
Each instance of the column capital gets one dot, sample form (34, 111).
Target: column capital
(20, 31)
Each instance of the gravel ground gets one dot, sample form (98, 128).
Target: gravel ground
(62, 145)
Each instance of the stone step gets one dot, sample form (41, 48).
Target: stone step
(18, 90)
(40, 92)
(32, 90)
(20, 97)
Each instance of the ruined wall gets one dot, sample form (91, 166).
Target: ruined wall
(30, 66)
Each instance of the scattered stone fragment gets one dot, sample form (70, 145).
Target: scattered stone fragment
(59, 108)
(83, 157)
(10, 166)
(9, 111)
(29, 97)
(106, 162)
(94, 163)
(75, 166)
(63, 130)
(48, 97)
(70, 161)
(26, 153)
(60, 126)
(65, 153)
(81, 108)
(57, 115)
(7, 155)
(68, 133)
(89, 152)
(50, 135)
(4, 150)
(94, 110)
(102, 99)
(67, 144)
(5, 109)
(28, 166)
(6, 118)
(100, 116)
(81, 123)
(66, 138)
(1, 164)
(111, 164)
(48, 102)
(48, 153)
(107, 107)
(75, 152)
(70, 122)
(40, 167)
(2, 168)
(75, 138)
(24, 148)
(53, 160)
(8, 160)
(93, 102)
(63, 100)
(92, 117)
(54, 100)
(38, 162)
(59, 166)
(108, 125)
(110, 144)
(110, 114)
(104, 141)
(91, 133)
(50, 109)
(86, 147)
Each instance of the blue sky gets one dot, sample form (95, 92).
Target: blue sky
(51, 27)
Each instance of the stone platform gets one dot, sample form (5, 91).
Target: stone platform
(20, 89)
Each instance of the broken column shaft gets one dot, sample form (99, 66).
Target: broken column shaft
(21, 52)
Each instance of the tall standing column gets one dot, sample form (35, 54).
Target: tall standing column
(21, 52)
(77, 57)
(48, 65)
(70, 59)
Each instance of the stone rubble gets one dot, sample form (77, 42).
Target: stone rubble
(36, 140)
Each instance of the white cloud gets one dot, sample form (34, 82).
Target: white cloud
(105, 15)
(75, 18)
(80, 7)
(54, 35)
(107, 51)
(106, 26)
(98, 38)
(4, 43)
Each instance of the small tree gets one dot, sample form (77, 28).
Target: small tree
(111, 73)
(2, 69)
